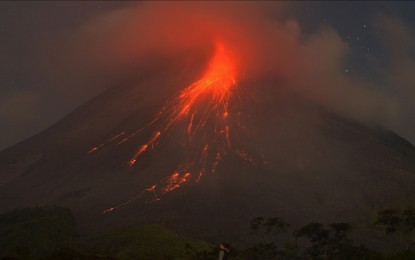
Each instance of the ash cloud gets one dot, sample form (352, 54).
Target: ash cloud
(106, 47)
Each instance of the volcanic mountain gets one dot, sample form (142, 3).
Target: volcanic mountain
(198, 150)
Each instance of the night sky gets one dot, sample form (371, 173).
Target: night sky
(54, 58)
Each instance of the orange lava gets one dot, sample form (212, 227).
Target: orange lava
(202, 109)
(108, 210)
(94, 149)
(152, 188)
(175, 181)
(207, 96)
(246, 157)
(144, 148)
(217, 84)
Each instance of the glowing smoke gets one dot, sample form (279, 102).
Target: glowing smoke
(103, 48)
(266, 44)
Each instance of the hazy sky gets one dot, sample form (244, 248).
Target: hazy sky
(359, 56)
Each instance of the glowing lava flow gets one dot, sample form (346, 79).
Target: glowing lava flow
(205, 100)
(175, 180)
(144, 148)
(217, 84)
(202, 109)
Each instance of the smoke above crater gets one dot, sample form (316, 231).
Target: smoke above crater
(265, 41)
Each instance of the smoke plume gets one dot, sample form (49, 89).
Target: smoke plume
(266, 43)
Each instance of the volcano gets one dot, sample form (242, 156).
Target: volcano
(204, 151)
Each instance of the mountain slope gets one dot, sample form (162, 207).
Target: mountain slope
(302, 163)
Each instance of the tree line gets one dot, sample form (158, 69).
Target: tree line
(51, 233)
(331, 241)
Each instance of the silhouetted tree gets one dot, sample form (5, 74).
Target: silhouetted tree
(398, 221)
(266, 231)
(327, 242)
(318, 236)
(389, 219)
(262, 251)
(275, 226)
(256, 224)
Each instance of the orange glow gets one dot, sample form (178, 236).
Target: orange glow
(175, 181)
(208, 95)
(201, 173)
(122, 141)
(144, 148)
(217, 82)
(216, 162)
(116, 136)
(151, 189)
(246, 157)
(107, 210)
(202, 109)
(204, 153)
(96, 148)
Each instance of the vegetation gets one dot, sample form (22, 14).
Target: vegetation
(31, 232)
(312, 241)
(149, 242)
(398, 221)
(332, 242)
(50, 233)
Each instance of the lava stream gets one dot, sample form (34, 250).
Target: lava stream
(206, 99)
(203, 110)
